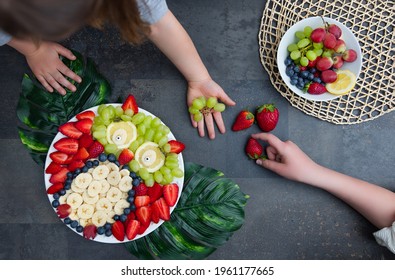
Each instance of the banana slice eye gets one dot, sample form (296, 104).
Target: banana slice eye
(121, 134)
(149, 156)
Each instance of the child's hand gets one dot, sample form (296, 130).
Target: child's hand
(286, 159)
(49, 69)
(208, 88)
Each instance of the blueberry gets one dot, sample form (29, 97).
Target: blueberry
(117, 163)
(295, 76)
(111, 158)
(313, 70)
(123, 218)
(74, 224)
(310, 77)
(69, 175)
(317, 80)
(133, 175)
(77, 171)
(132, 207)
(304, 74)
(294, 82)
(126, 167)
(67, 187)
(85, 169)
(126, 211)
(70, 180)
(300, 80)
(62, 192)
(108, 232)
(135, 182)
(288, 61)
(107, 226)
(79, 229)
(75, 175)
(55, 203)
(131, 193)
(116, 217)
(95, 162)
(56, 196)
(100, 230)
(296, 69)
(289, 71)
(67, 220)
(102, 157)
(130, 199)
(89, 164)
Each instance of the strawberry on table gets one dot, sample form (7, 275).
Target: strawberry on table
(67, 145)
(267, 117)
(118, 230)
(84, 125)
(130, 103)
(254, 149)
(125, 156)
(85, 115)
(70, 130)
(132, 229)
(170, 194)
(176, 146)
(244, 120)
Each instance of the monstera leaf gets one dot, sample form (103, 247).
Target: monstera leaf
(42, 112)
(210, 209)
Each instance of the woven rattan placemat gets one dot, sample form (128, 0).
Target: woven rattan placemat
(372, 22)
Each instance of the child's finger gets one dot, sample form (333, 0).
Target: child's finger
(271, 139)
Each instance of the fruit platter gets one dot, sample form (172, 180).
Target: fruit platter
(114, 173)
(319, 59)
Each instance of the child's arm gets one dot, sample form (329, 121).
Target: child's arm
(377, 204)
(43, 59)
(172, 39)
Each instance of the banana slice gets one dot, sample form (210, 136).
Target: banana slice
(114, 177)
(83, 180)
(105, 186)
(110, 216)
(120, 205)
(90, 170)
(85, 211)
(125, 184)
(63, 198)
(124, 172)
(114, 194)
(76, 189)
(89, 199)
(73, 215)
(121, 134)
(83, 222)
(100, 172)
(112, 166)
(149, 156)
(99, 218)
(104, 204)
(124, 195)
(94, 188)
(74, 200)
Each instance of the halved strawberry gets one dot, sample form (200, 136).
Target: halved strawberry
(95, 149)
(118, 230)
(85, 115)
(60, 158)
(125, 156)
(155, 192)
(155, 213)
(170, 194)
(163, 209)
(141, 200)
(130, 103)
(85, 140)
(55, 188)
(81, 154)
(67, 145)
(53, 168)
(70, 130)
(176, 146)
(89, 232)
(132, 228)
(143, 214)
(84, 125)
(141, 189)
(129, 217)
(143, 228)
(75, 164)
(63, 210)
(59, 177)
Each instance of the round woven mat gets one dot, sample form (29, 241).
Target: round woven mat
(372, 22)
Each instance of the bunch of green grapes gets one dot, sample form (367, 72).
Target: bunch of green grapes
(202, 106)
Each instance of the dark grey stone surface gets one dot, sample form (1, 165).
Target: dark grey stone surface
(284, 219)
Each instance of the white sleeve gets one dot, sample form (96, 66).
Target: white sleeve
(152, 10)
(386, 237)
(4, 38)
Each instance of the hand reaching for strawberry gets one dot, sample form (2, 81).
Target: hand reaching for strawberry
(208, 88)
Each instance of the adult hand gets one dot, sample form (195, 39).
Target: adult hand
(286, 158)
(49, 69)
(208, 88)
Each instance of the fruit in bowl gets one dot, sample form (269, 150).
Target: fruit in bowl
(318, 52)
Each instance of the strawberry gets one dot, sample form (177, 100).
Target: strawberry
(253, 149)
(59, 177)
(89, 232)
(155, 213)
(130, 103)
(141, 201)
(143, 228)
(55, 188)
(143, 214)
(316, 88)
(67, 145)
(60, 158)
(163, 208)
(176, 146)
(85, 140)
(63, 210)
(70, 130)
(95, 149)
(53, 168)
(75, 164)
(125, 156)
(267, 117)
(244, 120)
(170, 194)
(141, 190)
(85, 115)
(155, 192)
(129, 217)
(118, 230)
(84, 125)
(81, 154)
(132, 229)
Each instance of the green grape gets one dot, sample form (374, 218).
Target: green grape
(138, 118)
(165, 130)
(318, 52)
(211, 102)
(149, 135)
(144, 174)
(307, 31)
(292, 47)
(150, 181)
(126, 118)
(327, 53)
(166, 148)
(129, 112)
(295, 55)
(311, 55)
(102, 141)
(219, 107)
(134, 165)
(318, 45)
(198, 117)
(172, 155)
(171, 165)
(105, 114)
(111, 148)
(99, 134)
(111, 110)
(134, 146)
(303, 43)
(118, 111)
(101, 128)
(171, 161)
(157, 136)
(98, 120)
(158, 177)
(100, 108)
(165, 170)
(163, 141)
(140, 139)
(300, 35)
(198, 104)
(168, 178)
(141, 129)
(147, 121)
(177, 172)
(304, 61)
(155, 122)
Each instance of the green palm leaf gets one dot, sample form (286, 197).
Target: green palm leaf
(41, 112)
(210, 209)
